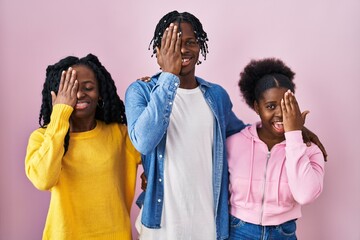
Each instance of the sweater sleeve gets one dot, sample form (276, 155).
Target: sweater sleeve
(45, 149)
(305, 168)
(134, 158)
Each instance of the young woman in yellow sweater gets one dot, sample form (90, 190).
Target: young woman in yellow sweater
(82, 153)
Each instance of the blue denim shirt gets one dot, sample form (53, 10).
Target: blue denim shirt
(148, 107)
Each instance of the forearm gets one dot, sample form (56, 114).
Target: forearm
(46, 149)
(305, 170)
(148, 118)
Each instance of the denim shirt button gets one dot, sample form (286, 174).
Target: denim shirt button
(159, 200)
(160, 180)
(176, 84)
(160, 156)
(170, 103)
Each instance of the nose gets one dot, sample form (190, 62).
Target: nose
(79, 94)
(278, 111)
(184, 47)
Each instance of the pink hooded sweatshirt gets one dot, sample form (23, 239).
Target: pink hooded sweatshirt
(269, 187)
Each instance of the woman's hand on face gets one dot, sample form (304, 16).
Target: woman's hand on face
(68, 88)
(293, 119)
(169, 55)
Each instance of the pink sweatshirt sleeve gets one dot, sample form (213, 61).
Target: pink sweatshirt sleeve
(305, 168)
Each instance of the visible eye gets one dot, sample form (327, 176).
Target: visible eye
(271, 106)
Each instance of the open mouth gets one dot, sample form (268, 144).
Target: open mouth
(278, 126)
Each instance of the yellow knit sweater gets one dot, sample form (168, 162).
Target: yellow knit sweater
(92, 186)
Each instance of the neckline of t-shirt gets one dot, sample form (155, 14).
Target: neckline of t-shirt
(188, 91)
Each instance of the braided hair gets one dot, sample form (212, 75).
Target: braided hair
(261, 75)
(110, 110)
(175, 16)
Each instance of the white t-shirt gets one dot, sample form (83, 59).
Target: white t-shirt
(188, 211)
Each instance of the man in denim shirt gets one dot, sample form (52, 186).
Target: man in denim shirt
(179, 123)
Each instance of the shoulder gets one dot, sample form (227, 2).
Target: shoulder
(117, 128)
(210, 85)
(119, 132)
(141, 85)
(314, 149)
(213, 89)
(244, 135)
(144, 84)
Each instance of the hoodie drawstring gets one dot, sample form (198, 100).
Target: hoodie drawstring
(251, 170)
(278, 185)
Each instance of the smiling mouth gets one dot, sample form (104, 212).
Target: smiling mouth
(185, 61)
(279, 126)
(81, 105)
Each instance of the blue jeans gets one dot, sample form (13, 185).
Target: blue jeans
(240, 230)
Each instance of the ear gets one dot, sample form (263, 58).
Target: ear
(256, 107)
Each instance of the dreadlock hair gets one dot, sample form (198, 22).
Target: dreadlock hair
(175, 16)
(261, 75)
(110, 108)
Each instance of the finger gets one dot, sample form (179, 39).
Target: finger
(72, 80)
(283, 107)
(53, 97)
(62, 79)
(74, 89)
(143, 181)
(67, 79)
(304, 114)
(178, 42)
(158, 57)
(287, 101)
(168, 35)
(145, 79)
(322, 148)
(163, 39)
(174, 37)
(292, 101)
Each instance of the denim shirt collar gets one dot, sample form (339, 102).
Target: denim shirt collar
(202, 83)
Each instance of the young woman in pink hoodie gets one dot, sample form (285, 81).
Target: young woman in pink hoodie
(272, 171)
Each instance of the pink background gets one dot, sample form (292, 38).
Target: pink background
(319, 39)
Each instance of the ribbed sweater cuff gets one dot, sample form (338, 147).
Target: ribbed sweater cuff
(59, 118)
